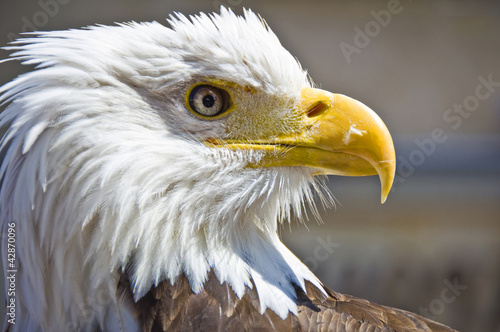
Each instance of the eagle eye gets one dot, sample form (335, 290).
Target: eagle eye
(207, 100)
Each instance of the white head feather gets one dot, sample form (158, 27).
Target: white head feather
(104, 170)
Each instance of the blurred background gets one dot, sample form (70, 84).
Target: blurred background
(431, 70)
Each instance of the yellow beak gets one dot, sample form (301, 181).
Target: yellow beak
(340, 136)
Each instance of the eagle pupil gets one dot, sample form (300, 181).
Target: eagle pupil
(208, 101)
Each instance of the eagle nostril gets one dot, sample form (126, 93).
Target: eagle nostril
(316, 110)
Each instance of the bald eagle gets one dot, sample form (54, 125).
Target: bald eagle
(146, 170)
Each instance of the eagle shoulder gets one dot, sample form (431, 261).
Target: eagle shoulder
(175, 307)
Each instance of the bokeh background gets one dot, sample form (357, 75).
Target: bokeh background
(434, 246)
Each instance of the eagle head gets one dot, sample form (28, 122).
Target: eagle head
(147, 153)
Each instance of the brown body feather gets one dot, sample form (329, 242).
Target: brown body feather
(175, 307)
